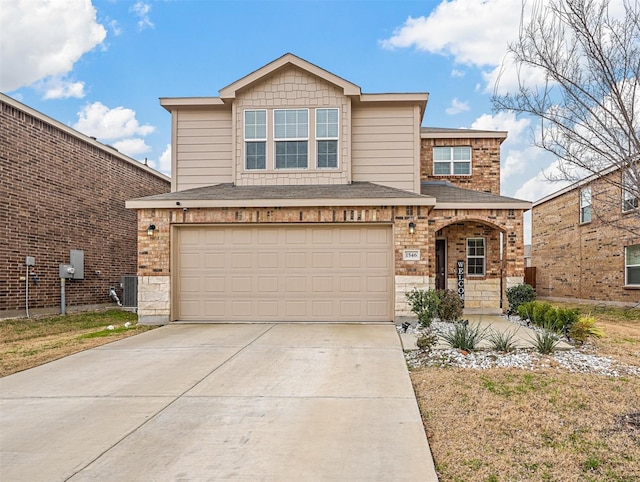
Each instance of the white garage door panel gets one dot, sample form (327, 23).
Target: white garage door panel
(285, 273)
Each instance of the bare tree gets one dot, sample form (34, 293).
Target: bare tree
(588, 102)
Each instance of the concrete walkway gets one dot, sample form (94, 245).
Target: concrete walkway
(271, 402)
(522, 335)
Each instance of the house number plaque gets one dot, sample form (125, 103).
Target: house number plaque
(411, 255)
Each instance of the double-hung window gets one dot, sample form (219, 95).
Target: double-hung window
(476, 255)
(632, 265)
(255, 139)
(327, 138)
(629, 192)
(452, 161)
(585, 205)
(291, 136)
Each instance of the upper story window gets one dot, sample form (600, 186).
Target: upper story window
(255, 139)
(632, 265)
(448, 161)
(585, 205)
(291, 136)
(476, 256)
(629, 192)
(327, 138)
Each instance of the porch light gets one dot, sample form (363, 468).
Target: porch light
(151, 230)
(412, 227)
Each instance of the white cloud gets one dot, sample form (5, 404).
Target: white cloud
(540, 186)
(457, 73)
(115, 27)
(457, 106)
(42, 39)
(474, 32)
(57, 87)
(165, 161)
(132, 147)
(142, 10)
(118, 123)
(503, 121)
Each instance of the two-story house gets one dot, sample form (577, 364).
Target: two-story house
(586, 241)
(296, 197)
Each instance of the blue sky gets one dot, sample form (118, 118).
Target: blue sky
(101, 65)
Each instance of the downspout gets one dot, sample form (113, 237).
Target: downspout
(26, 282)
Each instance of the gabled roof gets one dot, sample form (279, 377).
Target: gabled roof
(228, 195)
(229, 92)
(449, 196)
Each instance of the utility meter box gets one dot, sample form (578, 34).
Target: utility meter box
(76, 259)
(67, 271)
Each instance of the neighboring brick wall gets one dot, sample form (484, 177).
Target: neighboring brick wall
(62, 193)
(293, 88)
(485, 163)
(583, 261)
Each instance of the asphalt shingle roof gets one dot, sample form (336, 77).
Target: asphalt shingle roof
(445, 192)
(227, 191)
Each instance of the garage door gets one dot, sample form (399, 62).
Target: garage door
(284, 273)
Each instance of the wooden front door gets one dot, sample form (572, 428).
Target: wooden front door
(441, 264)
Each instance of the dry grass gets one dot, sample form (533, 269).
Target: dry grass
(26, 343)
(520, 425)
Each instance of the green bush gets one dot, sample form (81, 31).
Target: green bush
(424, 304)
(544, 315)
(450, 308)
(465, 337)
(525, 310)
(516, 295)
(540, 310)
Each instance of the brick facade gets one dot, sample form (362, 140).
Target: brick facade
(584, 261)
(64, 192)
(485, 163)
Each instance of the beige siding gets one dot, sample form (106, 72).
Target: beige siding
(203, 148)
(293, 88)
(385, 139)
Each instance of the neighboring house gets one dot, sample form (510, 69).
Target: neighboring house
(64, 191)
(296, 197)
(586, 241)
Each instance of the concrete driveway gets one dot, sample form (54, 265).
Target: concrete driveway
(220, 402)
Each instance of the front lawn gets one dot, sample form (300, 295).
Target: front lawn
(544, 423)
(29, 342)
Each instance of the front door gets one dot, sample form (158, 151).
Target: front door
(441, 264)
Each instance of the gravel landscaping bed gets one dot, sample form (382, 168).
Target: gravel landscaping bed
(579, 359)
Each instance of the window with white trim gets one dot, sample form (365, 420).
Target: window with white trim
(585, 205)
(629, 193)
(255, 139)
(291, 135)
(632, 265)
(327, 138)
(476, 255)
(452, 161)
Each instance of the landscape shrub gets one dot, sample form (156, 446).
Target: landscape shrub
(546, 342)
(544, 315)
(516, 295)
(585, 328)
(525, 310)
(427, 340)
(503, 341)
(538, 316)
(465, 337)
(424, 303)
(450, 308)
